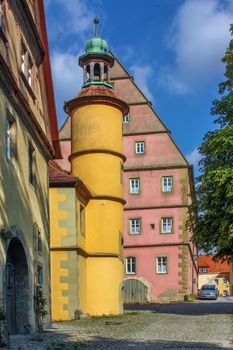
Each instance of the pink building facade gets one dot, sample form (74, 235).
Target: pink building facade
(160, 260)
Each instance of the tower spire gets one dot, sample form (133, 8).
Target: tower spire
(96, 22)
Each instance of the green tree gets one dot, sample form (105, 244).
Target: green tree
(214, 223)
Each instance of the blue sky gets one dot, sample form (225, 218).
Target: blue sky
(173, 48)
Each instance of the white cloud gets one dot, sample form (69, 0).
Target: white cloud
(198, 38)
(67, 77)
(194, 157)
(142, 75)
(76, 15)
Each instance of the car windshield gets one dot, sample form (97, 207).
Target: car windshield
(208, 288)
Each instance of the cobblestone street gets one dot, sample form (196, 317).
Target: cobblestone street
(201, 325)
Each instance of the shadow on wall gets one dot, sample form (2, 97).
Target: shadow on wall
(16, 200)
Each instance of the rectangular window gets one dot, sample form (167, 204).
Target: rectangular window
(26, 64)
(134, 185)
(167, 225)
(134, 226)
(203, 269)
(30, 65)
(11, 146)
(82, 218)
(139, 147)
(216, 281)
(126, 119)
(23, 58)
(32, 165)
(40, 275)
(225, 281)
(161, 264)
(130, 265)
(167, 183)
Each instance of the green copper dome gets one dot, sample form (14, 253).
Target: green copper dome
(96, 45)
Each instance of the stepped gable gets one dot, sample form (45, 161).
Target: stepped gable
(143, 118)
(140, 106)
(60, 177)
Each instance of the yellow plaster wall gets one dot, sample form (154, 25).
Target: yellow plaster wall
(82, 287)
(95, 128)
(104, 222)
(104, 276)
(100, 170)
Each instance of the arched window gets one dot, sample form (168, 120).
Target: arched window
(105, 72)
(97, 71)
(88, 73)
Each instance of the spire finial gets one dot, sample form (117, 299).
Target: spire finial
(96, 22)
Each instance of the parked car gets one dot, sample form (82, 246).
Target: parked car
(208, 291)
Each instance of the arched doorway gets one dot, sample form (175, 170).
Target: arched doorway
(135, 291)
(17, 288)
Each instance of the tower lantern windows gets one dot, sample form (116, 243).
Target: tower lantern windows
(97, 72)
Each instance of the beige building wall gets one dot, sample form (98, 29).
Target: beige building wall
(24, 215)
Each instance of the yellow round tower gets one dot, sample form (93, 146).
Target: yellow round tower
(97, 159)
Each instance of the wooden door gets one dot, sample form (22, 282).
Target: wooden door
(135, 292)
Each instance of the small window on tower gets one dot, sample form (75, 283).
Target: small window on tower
(105, 73)
(82, 219)
(97, 71)
(126, 119)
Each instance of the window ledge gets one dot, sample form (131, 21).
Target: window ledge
(26, 83)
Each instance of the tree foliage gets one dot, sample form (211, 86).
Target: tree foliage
(214, 202)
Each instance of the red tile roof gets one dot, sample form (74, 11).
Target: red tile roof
(207, 261)
(58, 176)
(96, 90)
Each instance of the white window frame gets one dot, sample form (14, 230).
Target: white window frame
(30, 67)
(135, 226)
(10, 137)
(167, 225)
(126, 119)
(161, 265)
(139, 147)
(23, 54)
(130, 265)
(203, 269)
(134, 185)
(167, 183)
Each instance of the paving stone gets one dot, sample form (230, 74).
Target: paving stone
(147, 330)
